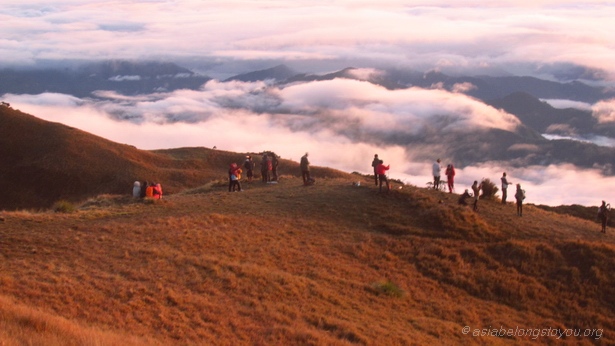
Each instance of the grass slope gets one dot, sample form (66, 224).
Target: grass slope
(43, 162)
(329, 264)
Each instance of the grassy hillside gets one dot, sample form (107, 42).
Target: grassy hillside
(284, 264)
(43, 162)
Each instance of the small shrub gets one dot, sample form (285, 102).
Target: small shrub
(489, 189)
(388, 288)
(63, 206)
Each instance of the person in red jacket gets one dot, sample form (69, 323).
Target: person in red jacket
(381, 169)
(234, 175)
(157, 194)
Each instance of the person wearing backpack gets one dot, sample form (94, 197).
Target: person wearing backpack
(603, 215)
(519, 196)
(234, 175)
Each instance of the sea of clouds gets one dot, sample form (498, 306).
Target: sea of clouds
(341, 123)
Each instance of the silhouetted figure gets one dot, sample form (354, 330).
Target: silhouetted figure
(463, 198)
(519, 196)
(248, 165)
(505, 184)
(144, 187)
(603, 215)
(375, 162)
(274, 167)
(304, 164)
(265, 169)
(450, 177)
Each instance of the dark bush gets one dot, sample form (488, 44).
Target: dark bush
(489, 189)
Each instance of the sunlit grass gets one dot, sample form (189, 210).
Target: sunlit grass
(289, 264)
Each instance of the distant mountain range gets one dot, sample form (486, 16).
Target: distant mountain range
(124, 77)
(520, 96)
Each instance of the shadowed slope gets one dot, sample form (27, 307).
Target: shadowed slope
(42, 162)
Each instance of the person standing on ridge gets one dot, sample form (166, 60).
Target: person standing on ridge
(381, 169)
(248, 164)
(274, 167)
(450, 177)
(519, 196)
(505, 184)
(375, 164)
(304, 164)
(265, 163)
(476, 189)
(603, 215)
(436, 168)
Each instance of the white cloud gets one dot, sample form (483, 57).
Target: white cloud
(604, 111)
(124, 78)
(562, 104)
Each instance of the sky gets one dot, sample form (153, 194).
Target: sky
(338, 122)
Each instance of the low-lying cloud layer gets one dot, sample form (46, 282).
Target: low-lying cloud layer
(342, 123)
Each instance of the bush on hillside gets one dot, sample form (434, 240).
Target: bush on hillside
(489, 189)
(63, 206)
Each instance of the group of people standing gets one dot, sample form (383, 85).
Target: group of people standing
(269, 170)
(476, 187)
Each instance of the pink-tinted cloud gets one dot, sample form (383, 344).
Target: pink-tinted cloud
(469, 34)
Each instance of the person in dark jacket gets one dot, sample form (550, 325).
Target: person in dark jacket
(144, 187)
(603, 215)
(304, 164)
(248, 165)
(450, 177)
(265, 163)
(464, 197)
(375, 164)
(275, 162)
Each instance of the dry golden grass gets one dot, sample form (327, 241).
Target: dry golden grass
(284, 264)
